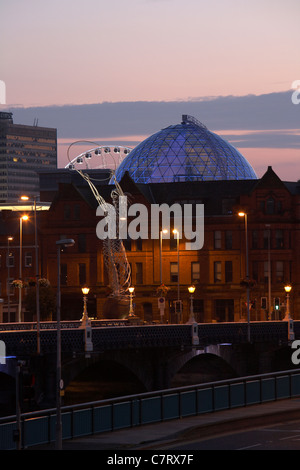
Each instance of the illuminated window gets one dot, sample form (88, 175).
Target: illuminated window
(195, 271)
(173, 272)
(217, 271)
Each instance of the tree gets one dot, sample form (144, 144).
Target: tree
(47, 300)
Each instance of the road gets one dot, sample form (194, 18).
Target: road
(282, 436)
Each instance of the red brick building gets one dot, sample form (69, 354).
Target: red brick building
(217, 270)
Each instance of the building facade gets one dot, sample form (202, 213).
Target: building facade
(24, 150)
(217, 270)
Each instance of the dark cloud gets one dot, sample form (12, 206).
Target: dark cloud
(274, 111)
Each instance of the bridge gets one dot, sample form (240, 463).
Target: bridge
(21, 338)
(153, 353)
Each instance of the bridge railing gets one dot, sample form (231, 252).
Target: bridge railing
(50, 325)
(136, 410)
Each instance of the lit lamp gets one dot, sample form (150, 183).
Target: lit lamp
(24, 217)
(287, 289)
(164, 231)
(85, 291)
(9, 239)
(191, 291)
(131, 291)
(244, 214)
(26, 198)
(176, 232)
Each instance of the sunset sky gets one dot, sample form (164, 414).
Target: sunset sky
(75, 52)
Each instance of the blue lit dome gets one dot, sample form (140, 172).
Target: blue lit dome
(185, 152)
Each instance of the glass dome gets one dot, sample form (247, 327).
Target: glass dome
(185, 152)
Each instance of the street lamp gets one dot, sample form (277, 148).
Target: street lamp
(85, 291)
(191, 318)
(244, 214)
(37, 296)
(287, 289)
(24, 217)
(9, 239)
(59, 385)
(131, 291)
(288, 318)
(164, 231)
(176, 232)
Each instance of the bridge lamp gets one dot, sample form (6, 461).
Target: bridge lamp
(131, 291)
(85, 291)
(245, 215)
(63, 243)
(191, 290)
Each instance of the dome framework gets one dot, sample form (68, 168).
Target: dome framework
(185, 152)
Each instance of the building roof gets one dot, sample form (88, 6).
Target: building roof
(185, 152)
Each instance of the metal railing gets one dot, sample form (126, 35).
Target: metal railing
(153, 407)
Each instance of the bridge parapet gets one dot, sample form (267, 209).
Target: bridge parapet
(107, 337)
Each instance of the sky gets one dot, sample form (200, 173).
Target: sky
(233, 63)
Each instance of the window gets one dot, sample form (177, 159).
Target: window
(67, 212)
(228, 271)
(279, 271)
(10, 260)
(266, 271)
(82, 243)
(139, 244)
(270, 206)
(217, 271)
(9, 287)
(267, 236)
(174, 272)
(227, 206)
(254, 239)
(127, 243)
(217, 239)
(228, 240)
(76, 211)
(82, 273)
(255, 266)
(63, 274)
(139, 273)
(195, 271)
(279, 242)
(28, 259)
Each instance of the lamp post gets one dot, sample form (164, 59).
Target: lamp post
(244, 214)
(85, 291)
(9, 239)
(287, 289)
(191, 318)
(269, 272)
(131, 312)
(288, 318)
(59, 385)
(37, 297)
(164, 231)
(24, 217)
(176, 232)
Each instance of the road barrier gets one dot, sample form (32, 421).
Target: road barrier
(152, 407)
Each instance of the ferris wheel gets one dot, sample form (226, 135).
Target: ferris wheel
(99, 157)
(114, 253)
